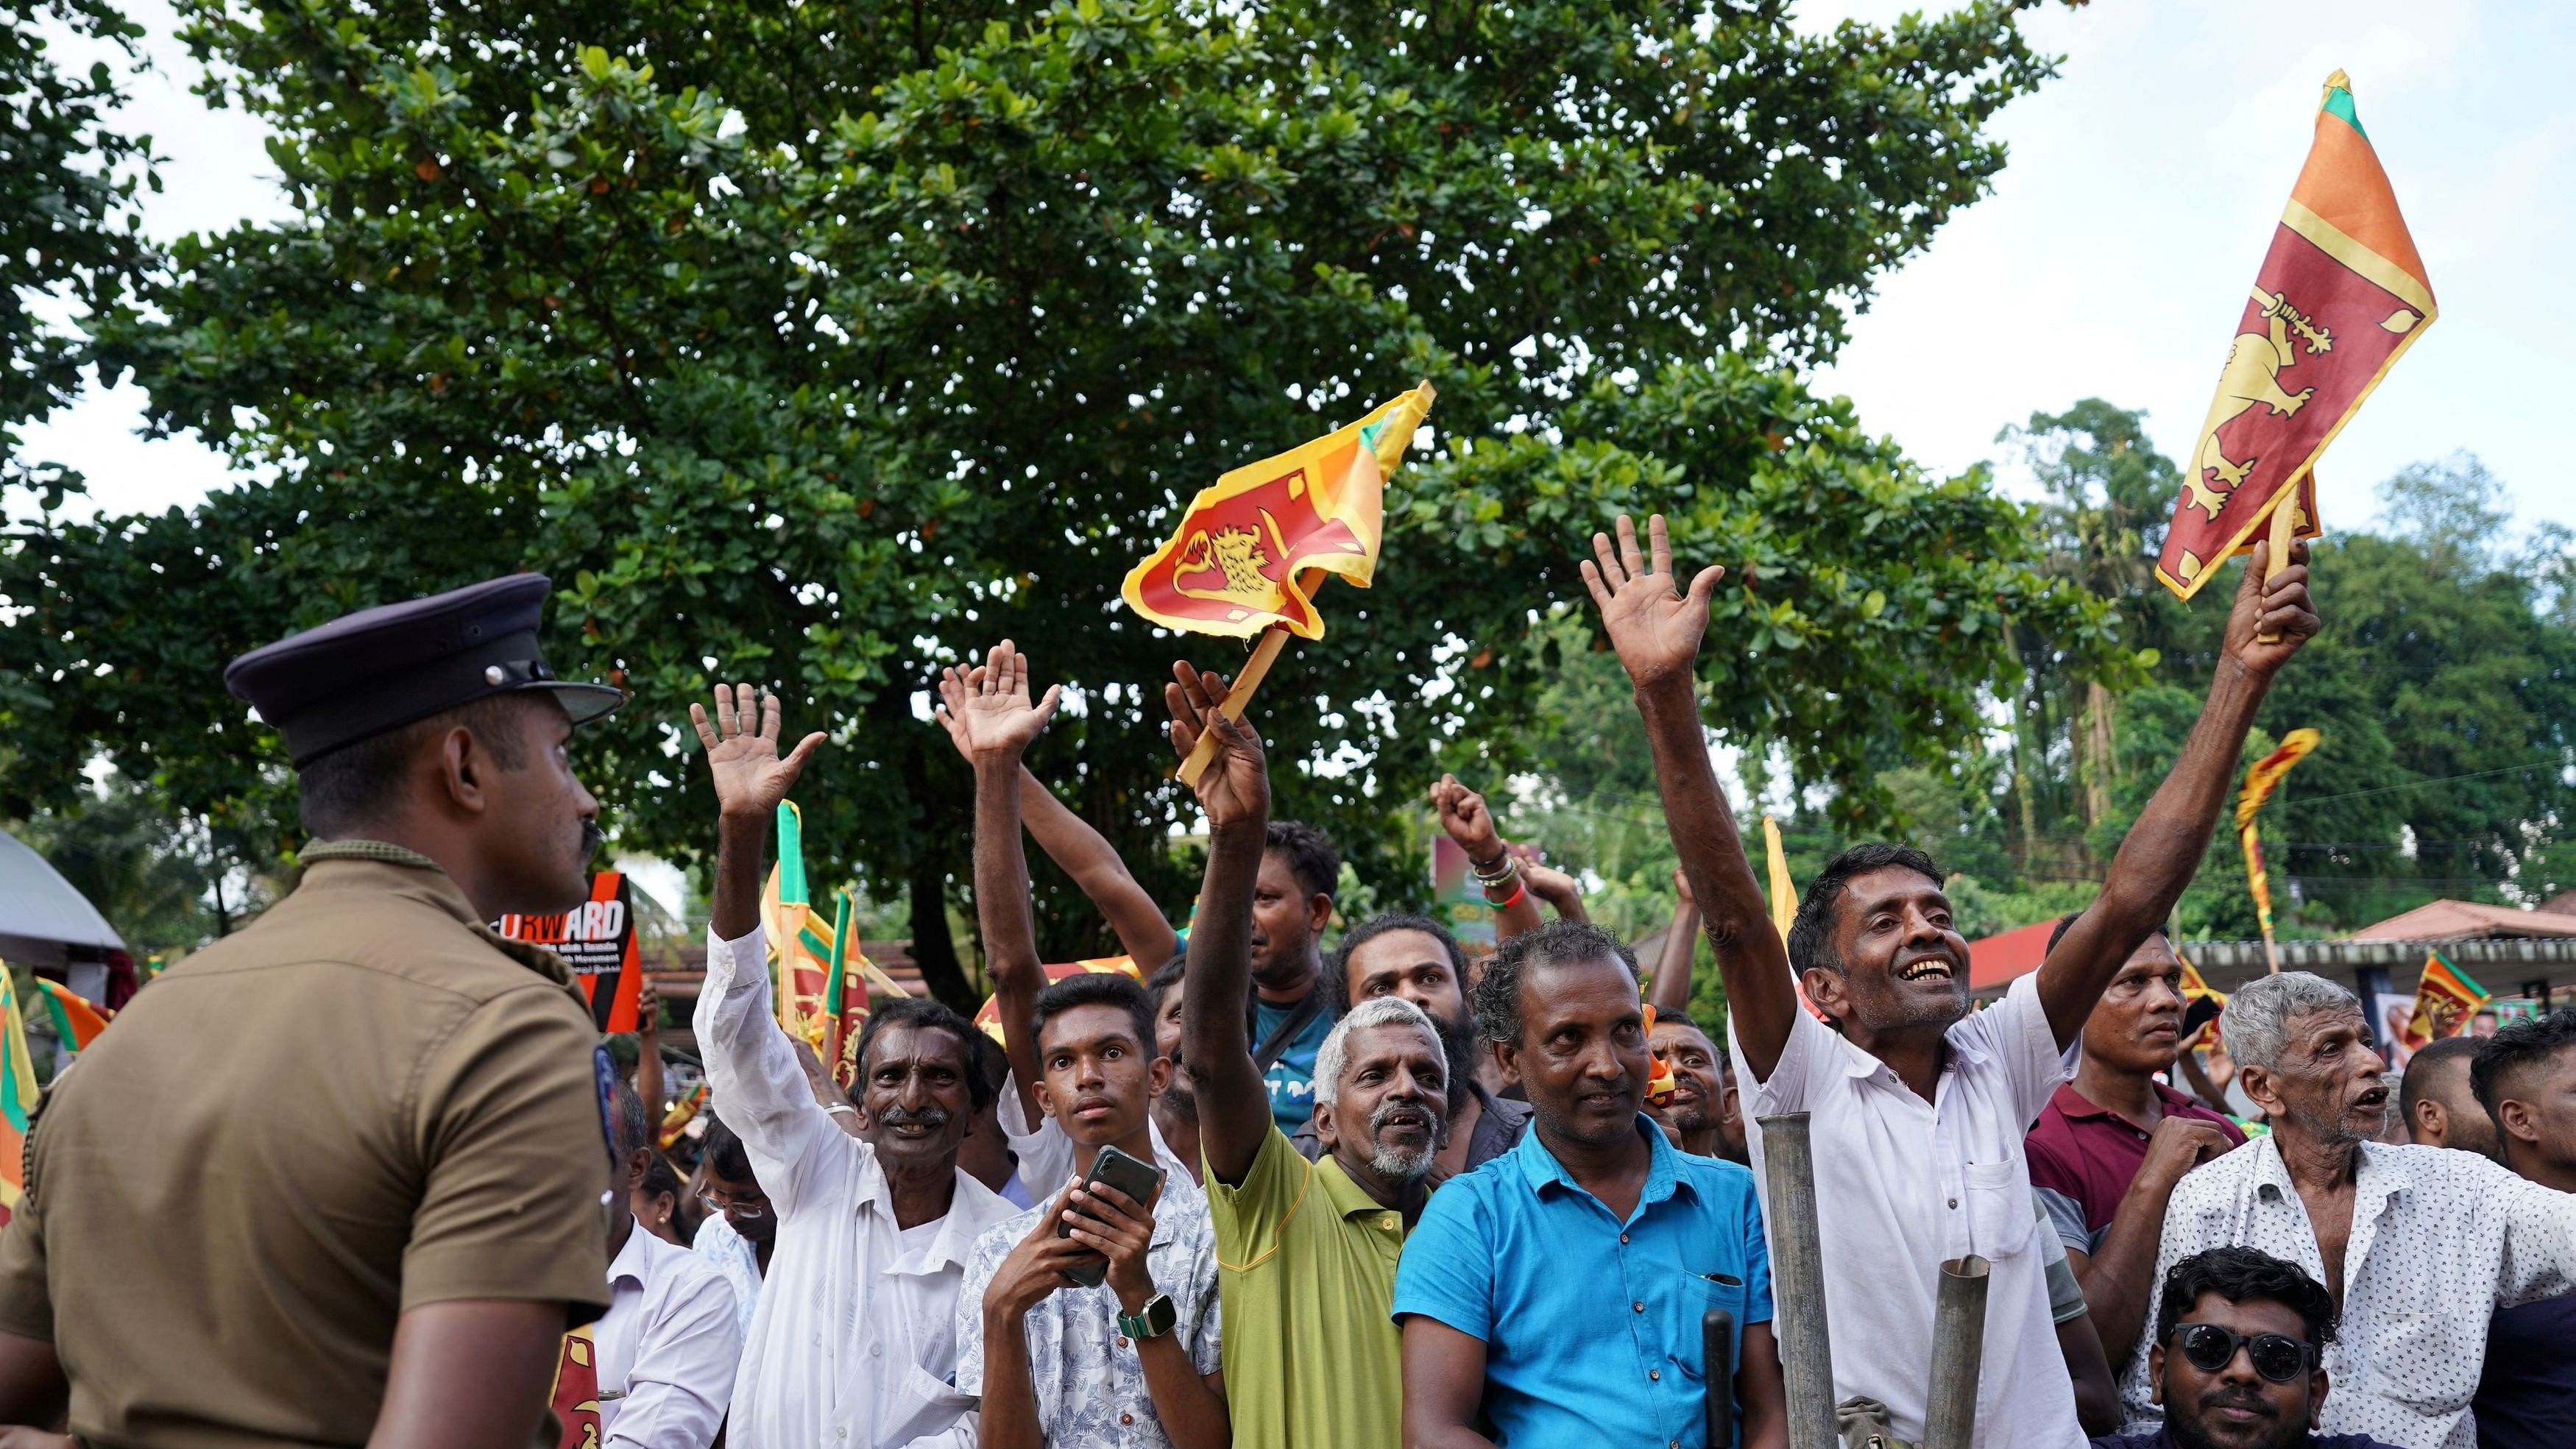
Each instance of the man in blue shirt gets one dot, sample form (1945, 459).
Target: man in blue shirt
(1291, 904)
(1556, 1293)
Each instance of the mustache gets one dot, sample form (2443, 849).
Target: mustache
(2251, 1403)
(592, 837)
(932, 1115)
(1392, 1105)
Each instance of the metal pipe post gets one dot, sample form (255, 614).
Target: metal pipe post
(1958, 1354)
(1798, 1280)
(1717, 1359)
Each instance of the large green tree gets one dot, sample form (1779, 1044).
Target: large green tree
(68, 228)
(824, 344)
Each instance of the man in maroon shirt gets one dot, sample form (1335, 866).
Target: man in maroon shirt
(2108, 1149)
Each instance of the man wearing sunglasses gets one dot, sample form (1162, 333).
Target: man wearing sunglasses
(2238, 1357)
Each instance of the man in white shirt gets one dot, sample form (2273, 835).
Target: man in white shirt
(668, 1345)
(1917, 1108)
(853, 1345)
(2420, 1245)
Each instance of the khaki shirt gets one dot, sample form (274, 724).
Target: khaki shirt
(364, 1102)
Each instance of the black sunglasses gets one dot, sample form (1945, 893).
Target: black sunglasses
(2210, 1348)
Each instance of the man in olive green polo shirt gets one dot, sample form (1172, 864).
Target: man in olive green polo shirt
(1306, 1251)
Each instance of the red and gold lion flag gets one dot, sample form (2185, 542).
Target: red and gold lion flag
(1233, 565)
(2340, 295)
(2444, 1001)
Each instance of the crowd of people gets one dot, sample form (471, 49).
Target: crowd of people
(1267, 1194)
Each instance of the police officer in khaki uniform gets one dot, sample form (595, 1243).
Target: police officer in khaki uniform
(337, 1179)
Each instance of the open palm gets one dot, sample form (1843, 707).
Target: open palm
(986, 710)
(1654, 626)
(742, 751)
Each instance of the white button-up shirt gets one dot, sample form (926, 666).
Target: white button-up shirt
(2440, 1240)
(1903, 1185)
(733, 1255)
(854, 1342)
(667, 1348)
(1086, 1376)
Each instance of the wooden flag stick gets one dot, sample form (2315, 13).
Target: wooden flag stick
(1237, 695)
(2285, 532)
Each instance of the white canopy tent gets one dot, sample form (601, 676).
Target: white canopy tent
(46, 924)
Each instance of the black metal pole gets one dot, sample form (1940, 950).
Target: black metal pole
(1717, 1351)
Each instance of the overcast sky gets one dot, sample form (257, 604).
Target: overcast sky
(2110, 261)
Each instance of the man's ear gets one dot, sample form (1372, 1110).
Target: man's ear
(2258, 1085)
(2317, 1395)
(1319, 912)
(2156, 1375)
(460, 761)
(2515, 1118)
(1507, 1055)
(1158, 1076)
(1730, 1104)
(637, 1163)
(1046, 1100)
(1827, 989)
(1324, 1124)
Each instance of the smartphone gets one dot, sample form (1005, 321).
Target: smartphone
(1139, 1180)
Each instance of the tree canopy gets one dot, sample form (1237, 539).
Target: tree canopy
(822, 345)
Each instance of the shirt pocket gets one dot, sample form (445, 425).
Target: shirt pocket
(2429, 1361)
(2001, 1213)
(1694, 1296)
(920, 1404)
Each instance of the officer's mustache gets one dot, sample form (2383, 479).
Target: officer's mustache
(591, 839)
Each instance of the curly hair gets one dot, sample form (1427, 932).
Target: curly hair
(1558, 943)
(2241, 1275)
(1311, 856)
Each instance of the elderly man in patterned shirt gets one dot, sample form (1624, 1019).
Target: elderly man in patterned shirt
(2420, 1245)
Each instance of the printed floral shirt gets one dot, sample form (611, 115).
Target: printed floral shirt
(1089, 1383)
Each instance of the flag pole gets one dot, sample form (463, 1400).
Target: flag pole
(1237, 696)
(2285, 532)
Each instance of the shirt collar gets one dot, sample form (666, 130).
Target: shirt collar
(634, 1262)
(336, 864)
(2383, 1173)
(1349, 1199)
(1663, 1165)
(2073, 1104)
(958, 1229)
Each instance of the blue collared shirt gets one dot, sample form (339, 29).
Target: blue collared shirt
(1591, 1325)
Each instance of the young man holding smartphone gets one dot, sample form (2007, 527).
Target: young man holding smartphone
(1092, 1318)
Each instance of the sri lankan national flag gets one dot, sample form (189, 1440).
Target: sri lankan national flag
(1234, 564)
(77, 1020)
(17, 1098)
(2445, 1000)
(2339, 296)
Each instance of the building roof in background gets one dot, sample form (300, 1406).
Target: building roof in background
(40, 913)
(2474, 921)
(1994, 961)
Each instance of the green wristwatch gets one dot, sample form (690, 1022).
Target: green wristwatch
(1154, 1322)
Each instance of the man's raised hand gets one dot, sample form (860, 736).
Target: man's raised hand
(2278, 606)
(742, 751)
(1654, 627)
(1235, 787)
(1466, 820)
(986, 710)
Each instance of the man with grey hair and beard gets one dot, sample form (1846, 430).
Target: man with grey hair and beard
(2419, 1245)
(1306, 1252)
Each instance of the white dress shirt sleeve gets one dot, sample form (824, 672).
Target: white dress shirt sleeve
(1810, 1059)
(685, 1358)
(755, 1084)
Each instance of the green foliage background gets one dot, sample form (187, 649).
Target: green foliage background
(822, 345)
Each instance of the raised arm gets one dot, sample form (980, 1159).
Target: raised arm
(1671, 989)
(1234, 1107)
(1656, 630)
(988, 713)
(1470, 825)
(751, 1068)
(1084, 854)
(648, 1050)
(2162, 850)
